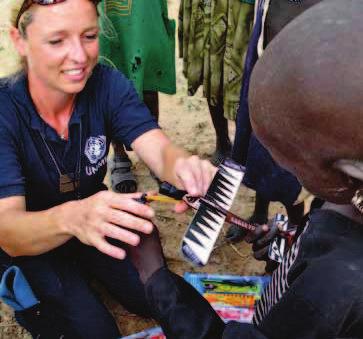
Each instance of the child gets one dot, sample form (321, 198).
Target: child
(309, 79)
(138, 39)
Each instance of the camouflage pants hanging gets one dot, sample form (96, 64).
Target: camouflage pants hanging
(213, 38)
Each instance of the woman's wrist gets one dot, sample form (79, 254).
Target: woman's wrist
(61, 217)
(172, 155)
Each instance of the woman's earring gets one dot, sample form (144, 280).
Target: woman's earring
(357, 200)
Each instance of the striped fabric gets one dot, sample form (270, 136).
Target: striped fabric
(120, 7)
(279, 284)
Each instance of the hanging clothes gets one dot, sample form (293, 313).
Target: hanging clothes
(138, 39)
(213, 35)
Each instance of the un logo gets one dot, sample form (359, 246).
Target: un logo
(95, 148)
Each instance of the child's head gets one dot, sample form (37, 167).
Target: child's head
(306, 99)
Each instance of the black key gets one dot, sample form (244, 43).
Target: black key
(196, 228)
(192, 237)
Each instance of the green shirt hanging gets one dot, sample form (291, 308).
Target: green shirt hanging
(138, 38)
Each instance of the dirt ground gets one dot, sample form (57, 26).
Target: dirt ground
(186, 120)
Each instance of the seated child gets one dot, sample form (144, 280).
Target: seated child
(309, 80)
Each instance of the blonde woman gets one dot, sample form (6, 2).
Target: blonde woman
(58, 223)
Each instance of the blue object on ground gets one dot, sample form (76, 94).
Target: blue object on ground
(15, 290)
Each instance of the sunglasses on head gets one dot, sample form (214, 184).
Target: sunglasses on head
(27, 3)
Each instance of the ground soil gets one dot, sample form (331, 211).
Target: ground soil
(186, 120)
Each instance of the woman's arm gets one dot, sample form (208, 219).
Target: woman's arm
(105, 214)
(173, 164)
(28, 233)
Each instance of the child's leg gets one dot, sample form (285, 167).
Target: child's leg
(260, 213)
(220, 123)
(122, 179)
(259, 216)
(295, 213)
(151, 100)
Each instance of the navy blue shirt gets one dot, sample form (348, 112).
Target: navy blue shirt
(108, 108)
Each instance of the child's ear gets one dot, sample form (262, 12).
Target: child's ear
(353, 168)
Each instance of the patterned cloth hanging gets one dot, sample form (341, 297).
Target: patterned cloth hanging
(213, 38)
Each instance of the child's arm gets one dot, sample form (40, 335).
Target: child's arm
(181, 311)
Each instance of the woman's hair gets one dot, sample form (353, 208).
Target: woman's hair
(25, 21)
(11, 63)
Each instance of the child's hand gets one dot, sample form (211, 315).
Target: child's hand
(261, 239)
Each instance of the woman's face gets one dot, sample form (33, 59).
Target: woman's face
(61, 47)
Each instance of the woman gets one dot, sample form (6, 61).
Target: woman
(57, 222)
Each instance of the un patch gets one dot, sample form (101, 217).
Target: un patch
(95, 148)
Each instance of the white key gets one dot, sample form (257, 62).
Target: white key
(202, 239)
(211, 223)
(228, 185)
(217, 217)
(227, 202)
(225, 191)
(211, 234)
(232, 171)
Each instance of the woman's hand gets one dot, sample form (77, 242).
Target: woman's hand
(107, 214)
(172, 164)
(195, 176)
